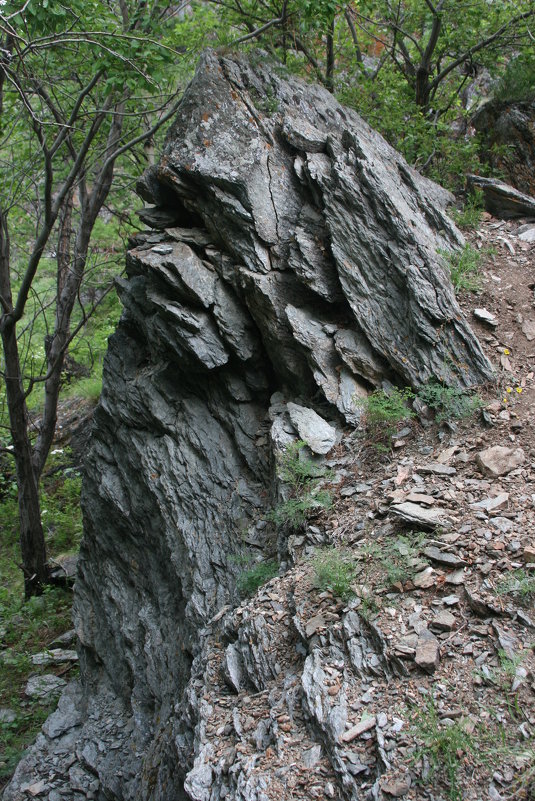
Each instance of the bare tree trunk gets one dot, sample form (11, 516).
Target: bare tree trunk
(32, 541)
(329, 72)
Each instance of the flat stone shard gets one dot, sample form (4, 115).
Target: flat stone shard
(359, 728)
(484, 316)
(293, 256)
(44, 686)
(414, 513)
(313, 429)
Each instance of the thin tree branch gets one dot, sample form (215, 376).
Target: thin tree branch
(480, 46)
(258, 31)
(86, 316)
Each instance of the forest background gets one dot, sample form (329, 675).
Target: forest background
(86, 90)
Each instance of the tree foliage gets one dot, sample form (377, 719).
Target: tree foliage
(81, 86)
(407, 65)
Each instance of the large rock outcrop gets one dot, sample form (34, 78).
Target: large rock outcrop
(507, 132)
(293, 258)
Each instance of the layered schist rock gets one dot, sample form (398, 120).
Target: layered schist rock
(292, 265)
(507, 132)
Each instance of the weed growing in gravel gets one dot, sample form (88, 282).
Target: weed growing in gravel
(449, 403)
(524, 781)
(443, 746)
(508, 665)
(335, 571)
(519, 584)
(302, 476)
(383, 412)
(368, 607)
(464, 269)
(470, 215)
(396, 557)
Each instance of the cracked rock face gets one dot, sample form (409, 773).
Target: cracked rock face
(292, 267)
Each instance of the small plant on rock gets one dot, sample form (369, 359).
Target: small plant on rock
(449, 403)
(383, 412)
(306, 497)
(335, 571)
(368, 607)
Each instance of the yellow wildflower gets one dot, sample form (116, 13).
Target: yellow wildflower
(519, 390)
(508, 390)
(504, 400)
(506, 351)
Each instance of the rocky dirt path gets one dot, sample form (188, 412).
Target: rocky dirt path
(420, 683)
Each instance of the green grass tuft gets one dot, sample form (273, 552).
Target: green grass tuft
(254, 577)
(335, 571)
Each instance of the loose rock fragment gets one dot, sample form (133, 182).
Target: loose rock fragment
(355, 731)
(427, 578)
(429, 518)
(443, 557)
(484, 316)
(54, 656)
(527, 234)
(528, 329)
(44, 686)
(444, 621)
(427, 652)
(500, 460)
(478, 605)
(489, 504)
(313, 429)
(396, 787)
(437, 469)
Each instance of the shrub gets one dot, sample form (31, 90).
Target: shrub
(306, 497)
(518, 82)
(295, 511)
(384, 411)
(449, 403)
(425, 141)
(253, 578)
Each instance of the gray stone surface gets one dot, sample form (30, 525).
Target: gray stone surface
(500, 460)
(44, 686)
(313, 429)
(427, 654)
(414, 513)
(300, 267)
(501, 199)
